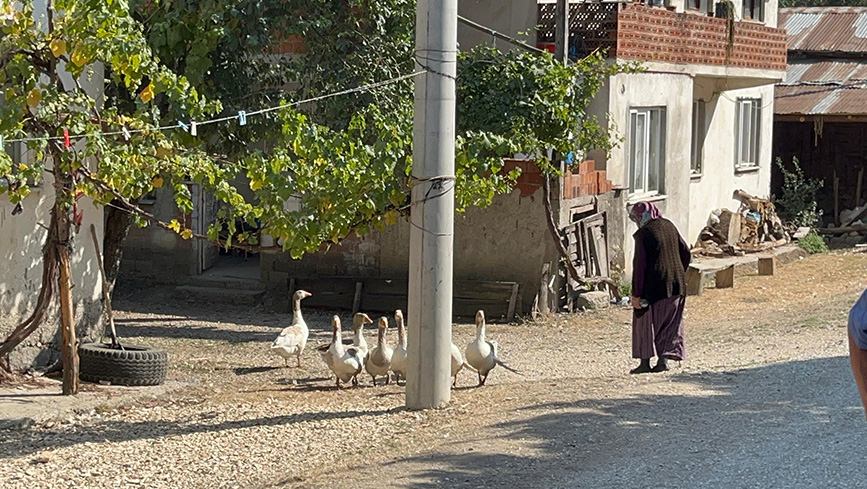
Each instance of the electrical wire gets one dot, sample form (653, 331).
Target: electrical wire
(125, 132)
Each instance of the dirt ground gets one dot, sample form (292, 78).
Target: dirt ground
(764, 399)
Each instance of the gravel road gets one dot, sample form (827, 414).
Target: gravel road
(764, 399)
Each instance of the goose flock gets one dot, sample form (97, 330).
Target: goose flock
(347, 358)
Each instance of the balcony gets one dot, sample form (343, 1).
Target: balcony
(635, 31)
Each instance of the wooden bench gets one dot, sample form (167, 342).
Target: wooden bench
(696, 278)
(497, 299)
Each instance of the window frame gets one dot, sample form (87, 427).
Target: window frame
(748, 124)
(653, 139)
(697, 137)
(19, 152)
(753, 6)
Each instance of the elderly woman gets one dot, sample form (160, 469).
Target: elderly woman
(858, 345)
(658, 289)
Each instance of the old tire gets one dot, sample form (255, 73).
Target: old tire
(135, 365)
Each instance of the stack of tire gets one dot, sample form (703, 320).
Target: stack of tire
(133, 365)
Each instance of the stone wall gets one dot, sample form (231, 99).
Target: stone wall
(157, 255)
(507, 241)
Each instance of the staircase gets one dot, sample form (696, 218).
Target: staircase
(235, 283)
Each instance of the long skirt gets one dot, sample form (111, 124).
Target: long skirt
(657, 330)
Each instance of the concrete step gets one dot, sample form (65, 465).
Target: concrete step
(223, 295)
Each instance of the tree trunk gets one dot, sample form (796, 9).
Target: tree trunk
(117, 226)
(64, 197)
(552, 227)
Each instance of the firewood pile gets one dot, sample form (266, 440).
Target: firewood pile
(754, 227)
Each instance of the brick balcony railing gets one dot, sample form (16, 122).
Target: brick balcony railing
(634, 31)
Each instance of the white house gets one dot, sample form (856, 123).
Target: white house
(697, 121)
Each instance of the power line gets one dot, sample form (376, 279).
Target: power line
(242, 115)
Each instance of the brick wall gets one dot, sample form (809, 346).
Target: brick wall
(581, 181)
(634, 31)
(653, 34)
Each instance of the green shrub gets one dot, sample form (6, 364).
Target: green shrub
(796, 204)
(625, 289)
(813, 243)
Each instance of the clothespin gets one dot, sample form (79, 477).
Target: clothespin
(126, 135)
(242, 117)
(66, 138)
(193, 131)
(183, 126)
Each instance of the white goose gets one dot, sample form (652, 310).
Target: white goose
(293, 339)
(358, 341)
(346, 363)
(379, 361)
(458, 364)
(398, 358)
(482, 354)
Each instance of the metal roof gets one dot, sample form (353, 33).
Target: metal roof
(825, 29)
(826, 71)
(820, 100)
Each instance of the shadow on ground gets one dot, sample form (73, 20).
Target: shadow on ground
(794, 424)
(16, 443)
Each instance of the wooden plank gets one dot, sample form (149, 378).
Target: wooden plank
(356, 300)
(725, 278)
(386, 286)
(694, 281)
(858, 187)
(836, 198)
(541, 302)
(510, 313)
(767, 265)
(600, 251)
(468, 308)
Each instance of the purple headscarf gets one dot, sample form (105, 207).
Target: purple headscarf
(643, 212)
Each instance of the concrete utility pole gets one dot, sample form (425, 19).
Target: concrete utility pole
(429, 325)
(561, 31)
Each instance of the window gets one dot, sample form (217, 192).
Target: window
(693, 4)
(646, 150)
(20, 153)
(754, 10)
(747, 120)
(698, 134)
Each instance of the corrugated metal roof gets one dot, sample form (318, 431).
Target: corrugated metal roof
(826, 71)
(821, 100)
(825, 29)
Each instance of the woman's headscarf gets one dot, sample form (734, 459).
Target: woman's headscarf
(643, 212)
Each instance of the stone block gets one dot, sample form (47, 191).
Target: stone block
(592, 300)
